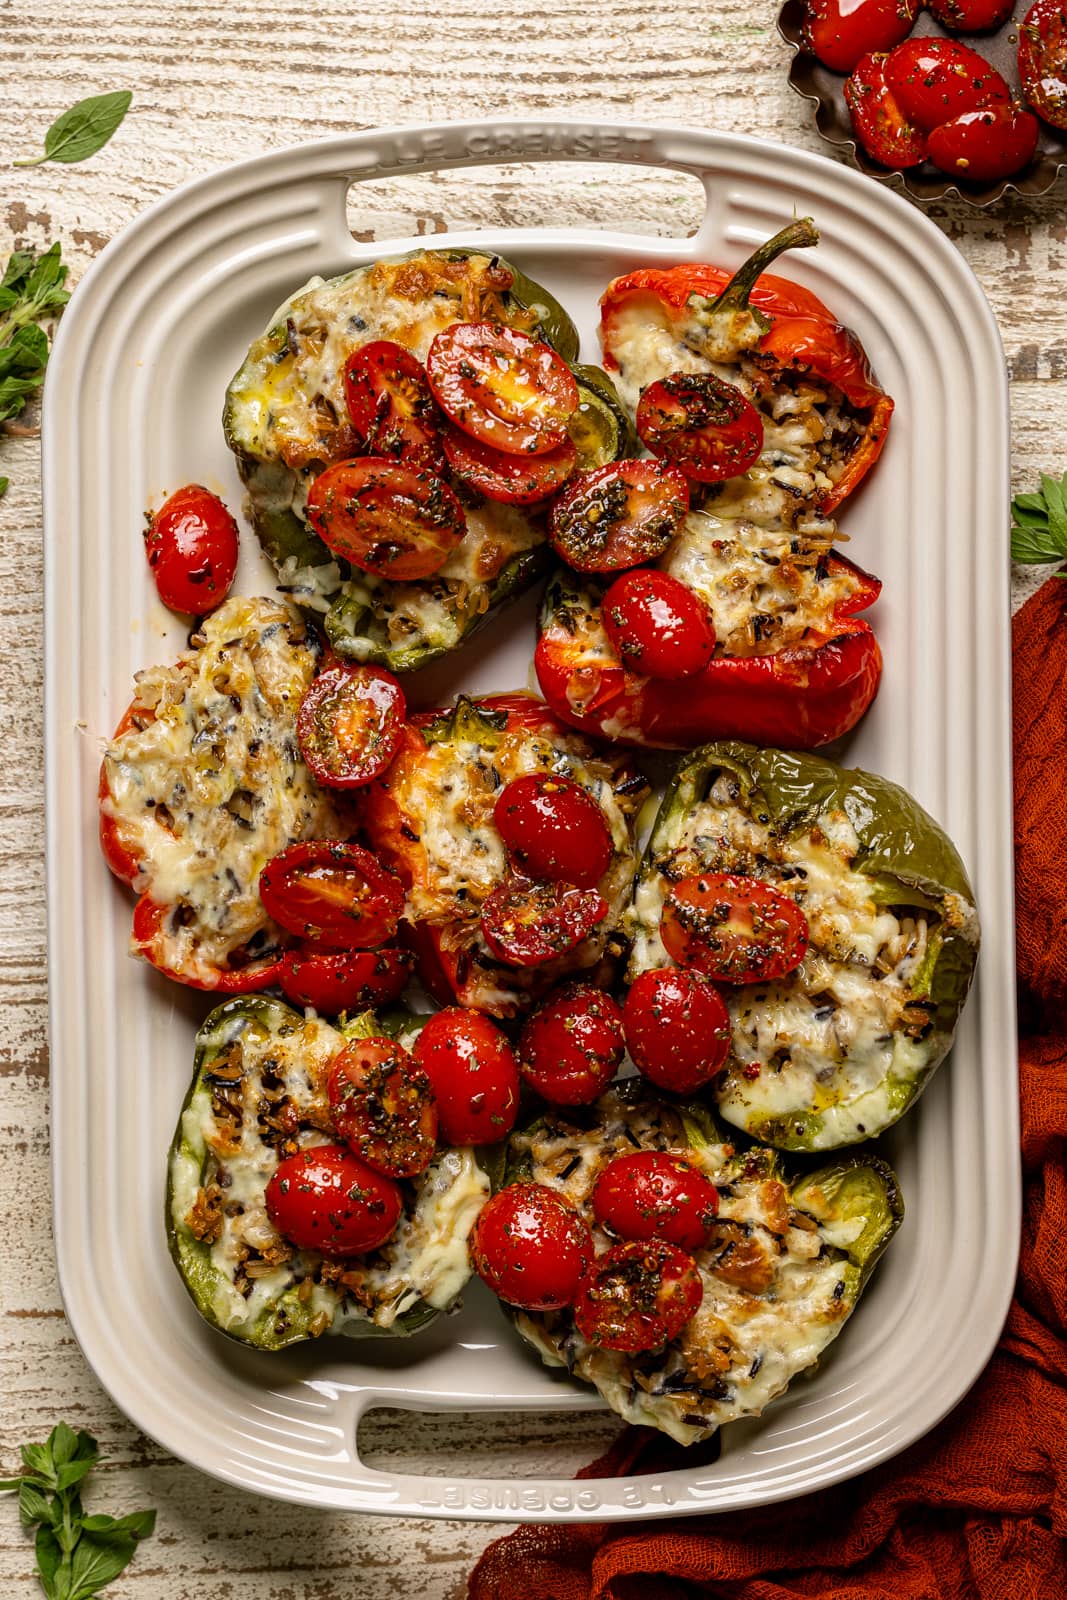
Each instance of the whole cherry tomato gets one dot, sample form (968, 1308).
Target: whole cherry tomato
(654, 1195)
(878, 121)
(474, 1076)
(638, 1296)
(554, 829)
(737, 929)
(677, 1029)
(933, 80)
(513, 480)
(383, 1106)
(840, 32)
(571, 1048)
(350, 725)
(343, 980)
(618, 516)
(333, 894)
(527, 924)
(983, 146)
(390, 403)
(657, 626)
(531, 1247)
(326, 1199)
(502, 387)
(385, 518)
(701, 424)
(970, 16)
(192, 546)
(1043, 60)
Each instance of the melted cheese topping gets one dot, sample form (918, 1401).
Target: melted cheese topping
(777, 1289)
(212, 785)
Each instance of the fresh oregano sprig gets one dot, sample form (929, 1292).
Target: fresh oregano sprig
(31, 292)
(83, 130)
(1039, 523)
(77, 1555)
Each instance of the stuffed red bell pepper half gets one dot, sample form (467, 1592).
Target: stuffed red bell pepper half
(701, 597)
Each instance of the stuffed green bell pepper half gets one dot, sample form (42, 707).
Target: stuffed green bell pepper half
(836, 1049)
(781, 1268)
(258, 1096)
(289, 417)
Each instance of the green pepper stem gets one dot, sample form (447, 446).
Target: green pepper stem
(734, 297)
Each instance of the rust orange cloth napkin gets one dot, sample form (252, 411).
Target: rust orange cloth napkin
(978, 1509)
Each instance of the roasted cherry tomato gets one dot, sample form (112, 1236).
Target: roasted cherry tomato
(473, 1073)
(970, 16)
(839, 32)
(983, 146)
(343, 980)
(933, 80)
(554, 829)
(531, 1247)
(618, 516)
(395, 521)
(638, 1296)
(502, 386)
(192, 545)
(701, 424)
(159, 936)
(657, 626)
(736, 929)
(383, 1107)
(326, 1199)
(1043, 60)
(527, 924)
(390, 403)
(677, 1029)
(572, 1047)
(513, 480)
(878, 121)
(332, 894)
(654, 1195)
(351, 725)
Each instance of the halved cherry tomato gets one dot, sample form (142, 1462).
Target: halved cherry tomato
(677, 1028)
(390, 403)
(554, 829)
(395, 521)
(192, 547)
(933, 80)
(878, 121)
(571, 1048)
(701, 424)
(333, 894)
(654, 1195)
(473, 1073)
(618, 516)
(970, 16)
(531, 1247)
(983, 146)
(343, 980)
(736, 929)
(1043, 60)
(383, 1107)
(513, 480)
(527, 924)
(326, 1199)
(657, 626)
(502, 386)
(638, 1296)
(351, 725)
(839, 32)
(161, 937)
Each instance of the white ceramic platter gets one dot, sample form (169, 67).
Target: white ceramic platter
(131, 412)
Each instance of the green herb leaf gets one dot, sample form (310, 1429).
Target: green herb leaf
(38, 1457)
(34, 1504)
(3, 490)
(83, 130)
(139, 1524)
(1039, 523)
(72, 1472)
(97, 1562)
(49, 1559)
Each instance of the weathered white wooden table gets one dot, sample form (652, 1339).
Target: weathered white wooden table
(213, 83)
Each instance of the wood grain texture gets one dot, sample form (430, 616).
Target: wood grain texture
(213, 83)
